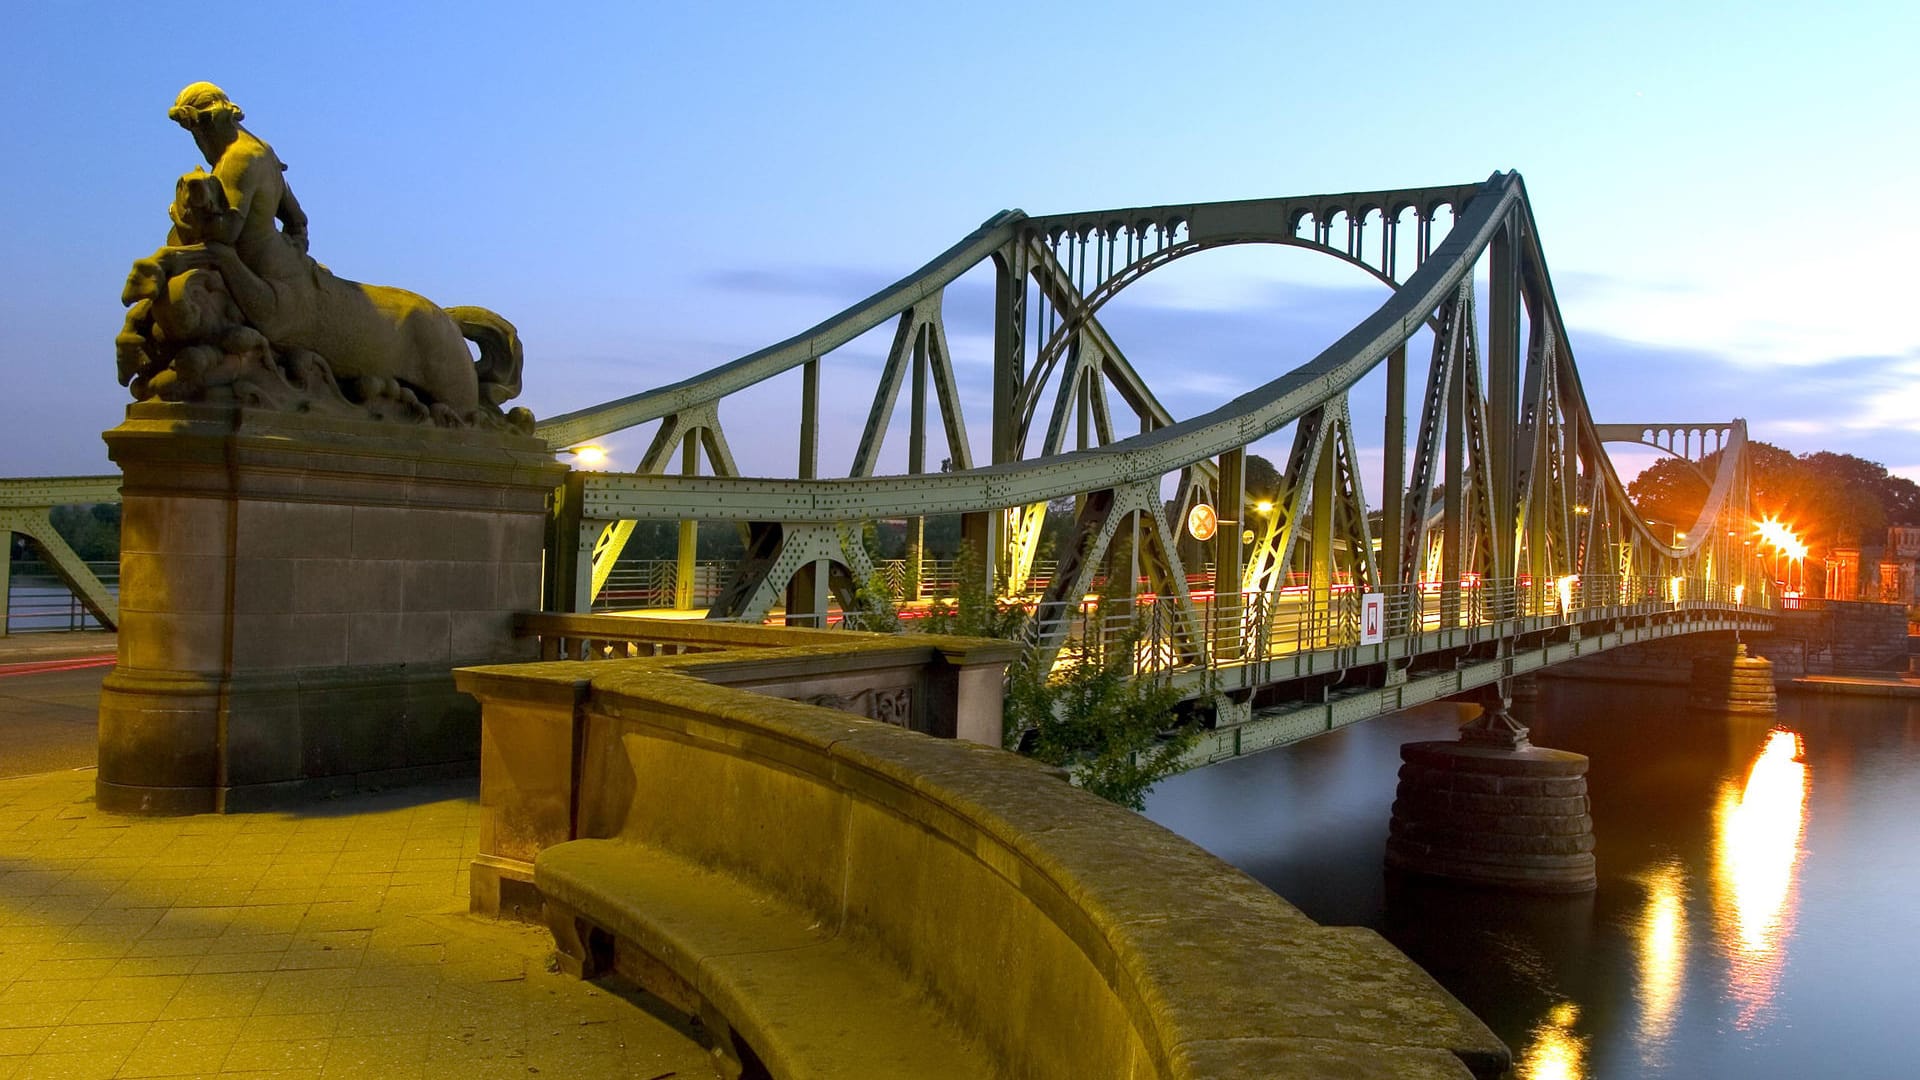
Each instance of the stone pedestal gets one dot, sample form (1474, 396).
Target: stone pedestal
(1491, 815)
(1733, 684)
(295, 592)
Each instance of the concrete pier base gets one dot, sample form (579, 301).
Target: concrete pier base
(1733, 684)
(1493, 809)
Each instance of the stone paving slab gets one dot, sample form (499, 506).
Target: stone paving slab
(328, 942)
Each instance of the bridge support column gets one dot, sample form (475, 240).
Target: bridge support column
(1733, 684)
(1493, 809)
(296, 591)
(808, 595)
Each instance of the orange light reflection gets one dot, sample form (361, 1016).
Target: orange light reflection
(1663, 957)
(1758, 830)
(1554, 1051)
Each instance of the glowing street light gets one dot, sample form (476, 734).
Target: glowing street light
(1780, 537)
(588, 456)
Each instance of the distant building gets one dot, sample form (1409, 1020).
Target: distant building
(1889, 574)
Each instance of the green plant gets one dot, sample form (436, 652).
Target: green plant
(972, 610)
(874, 609)
(1115, 730)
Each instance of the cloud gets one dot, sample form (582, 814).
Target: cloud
(835, 282)
(1764, 312)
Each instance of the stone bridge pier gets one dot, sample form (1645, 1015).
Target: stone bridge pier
(1493, 809)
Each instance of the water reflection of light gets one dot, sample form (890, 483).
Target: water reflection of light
(1757, 830)
(1554, 1051)
(1663, 957)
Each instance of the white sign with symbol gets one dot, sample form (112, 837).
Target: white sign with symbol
(1372, 617)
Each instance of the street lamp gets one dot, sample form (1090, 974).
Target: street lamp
(1780, 537)
(588, 456)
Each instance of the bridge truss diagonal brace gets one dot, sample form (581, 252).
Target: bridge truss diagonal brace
(1098, 522)
(919, 346)
(690, 430)
(67, 563)
(1086, 344)
(761, 582)
(1322, 490)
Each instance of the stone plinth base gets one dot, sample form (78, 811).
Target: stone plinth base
(1733, 684)
(295, 593)
(1514, 819)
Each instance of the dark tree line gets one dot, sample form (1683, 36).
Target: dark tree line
(92, 531)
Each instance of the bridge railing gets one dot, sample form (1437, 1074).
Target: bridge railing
(1253, 626)
(650, 584)
(37, 600)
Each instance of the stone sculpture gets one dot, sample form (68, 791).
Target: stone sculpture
(233, 308)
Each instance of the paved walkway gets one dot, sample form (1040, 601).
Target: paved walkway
(331, 942)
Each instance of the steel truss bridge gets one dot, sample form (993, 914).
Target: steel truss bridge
(1505, 538)
(1504, 541)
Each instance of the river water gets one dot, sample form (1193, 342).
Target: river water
(1758, 912)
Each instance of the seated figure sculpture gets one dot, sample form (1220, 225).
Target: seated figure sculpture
(233, 308)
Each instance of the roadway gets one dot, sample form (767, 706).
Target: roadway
(50, 700)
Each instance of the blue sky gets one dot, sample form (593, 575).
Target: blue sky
(647, 190)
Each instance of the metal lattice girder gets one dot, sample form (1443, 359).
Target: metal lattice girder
(43, 492)
(778, 553)
(1098, 255)
(34, 524)
(24, 506)
(1095, 526)
(600, 420)
(696, 427)
(919, 347)
(1143, 457)
(1206, 224)
(1321, 490)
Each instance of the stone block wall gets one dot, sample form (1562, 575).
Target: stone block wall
(295, 593)
(1823, 638)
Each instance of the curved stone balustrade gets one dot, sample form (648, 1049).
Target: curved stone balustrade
(1069, 937)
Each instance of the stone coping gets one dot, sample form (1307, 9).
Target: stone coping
(829, 653)
(704, 633)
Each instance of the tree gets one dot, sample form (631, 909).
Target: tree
(92, 531)
(1669, 491)
(1262, 479)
